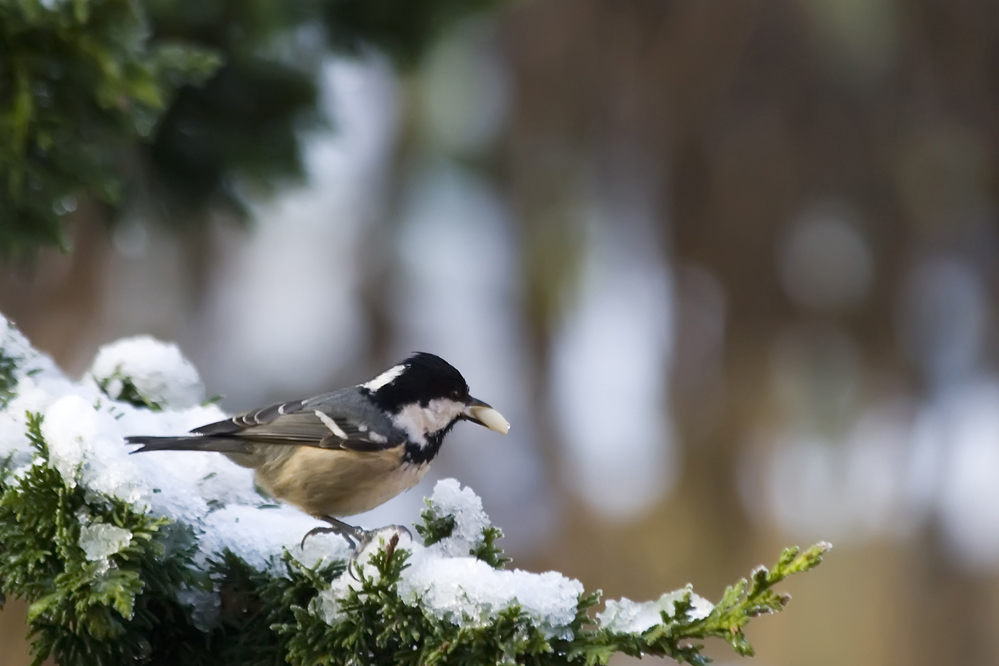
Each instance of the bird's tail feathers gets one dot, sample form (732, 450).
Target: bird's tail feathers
(190, 443)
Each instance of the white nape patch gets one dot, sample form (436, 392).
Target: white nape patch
(386, 377)
(331, 424)
(417, 421)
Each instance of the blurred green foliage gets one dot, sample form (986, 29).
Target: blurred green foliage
(78, 81)
(171, 106)
(400, 28)
(242, 122)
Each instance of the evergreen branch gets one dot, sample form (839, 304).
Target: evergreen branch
(748, 599)
(739, 604)
(8, 380)
(120, 387)
(435, 527)
(488, 551)
(102, 610)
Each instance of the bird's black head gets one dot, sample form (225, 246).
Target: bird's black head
(419, 379)
(425, 396)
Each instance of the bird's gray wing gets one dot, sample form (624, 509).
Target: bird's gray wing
(340, 420)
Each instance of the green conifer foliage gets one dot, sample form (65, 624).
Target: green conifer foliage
(78, 81)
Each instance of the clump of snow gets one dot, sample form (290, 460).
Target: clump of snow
(38, 382)
(445, 581)
(15, 345)
(258, 535)
(327, 605)
(100, 540)
(206, 607)
(464, 587)
(157, 370)
(84, 443)
(627, 616)
(450, 499)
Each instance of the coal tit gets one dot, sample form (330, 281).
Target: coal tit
(342, 453)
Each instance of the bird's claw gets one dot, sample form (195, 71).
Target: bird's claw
(353, 535)
(324, 530)
(357, 538)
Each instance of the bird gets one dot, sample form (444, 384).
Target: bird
(342, 453)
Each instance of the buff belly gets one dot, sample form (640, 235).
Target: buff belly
(322, 482)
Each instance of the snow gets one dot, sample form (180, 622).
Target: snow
(99, 540)
(449, 498)
(157, 369)
(464, 587)
(258, 534)
(39, 383)
(454, 587)
(627, 616)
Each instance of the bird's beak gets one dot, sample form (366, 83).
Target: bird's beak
(481, 413)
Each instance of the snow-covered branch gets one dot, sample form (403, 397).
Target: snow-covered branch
(179, 559)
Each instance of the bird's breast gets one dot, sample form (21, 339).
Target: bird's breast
(340, 483)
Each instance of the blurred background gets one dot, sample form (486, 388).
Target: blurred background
(730, 269)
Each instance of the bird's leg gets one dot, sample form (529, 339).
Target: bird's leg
(355, 536)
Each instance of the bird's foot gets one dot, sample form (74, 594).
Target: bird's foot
(354, 535)
(357, 538)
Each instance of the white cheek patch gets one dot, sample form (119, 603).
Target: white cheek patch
(418, 421)
(386, 377)
(331, 424)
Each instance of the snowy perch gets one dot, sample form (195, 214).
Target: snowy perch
(179, 558)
